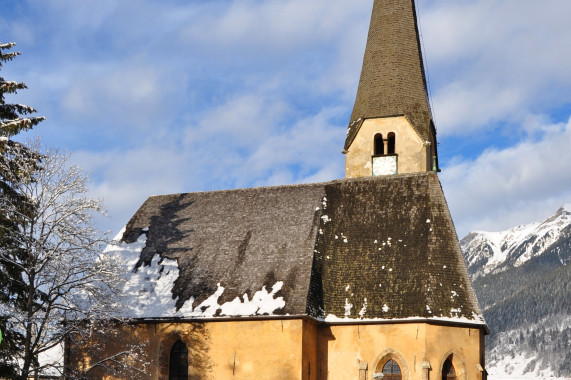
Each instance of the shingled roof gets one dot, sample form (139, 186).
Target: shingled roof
(380, 248)
(392, 78)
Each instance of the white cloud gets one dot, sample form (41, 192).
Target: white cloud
(240, 121)
(245, 142)
(309, 144)
(469, 107)
(493, 61)
(183, 96)
(124, 96)
(517, 185)
(79, 15)
(124, 179)
(272, 27)
(254, 141)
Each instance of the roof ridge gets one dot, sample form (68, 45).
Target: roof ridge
(297, 185)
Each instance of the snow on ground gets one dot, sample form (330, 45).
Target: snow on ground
(147, 291)
(510, 361)
(52, 358)
(513, 368)
(523, 377)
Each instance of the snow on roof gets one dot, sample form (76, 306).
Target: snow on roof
(148, 289)
(476, 320)
(216, 254)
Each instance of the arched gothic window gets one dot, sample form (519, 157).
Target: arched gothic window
(379, 145)
(448, 371)
(391, 143)
(178, 361)
(390, 371)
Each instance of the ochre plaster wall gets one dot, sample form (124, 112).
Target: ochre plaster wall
(414, 156)
(345, 348)
(263, 349)
(301, 349)
(310, 368)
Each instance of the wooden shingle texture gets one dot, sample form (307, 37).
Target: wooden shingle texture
(389, 250)
(369, 248)
(392, 79)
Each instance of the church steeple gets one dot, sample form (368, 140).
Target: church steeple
(393, 85)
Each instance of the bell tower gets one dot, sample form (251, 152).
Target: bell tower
(391, 129)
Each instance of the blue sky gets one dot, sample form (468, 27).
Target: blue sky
(155, 97)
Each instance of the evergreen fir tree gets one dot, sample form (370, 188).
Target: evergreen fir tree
(17, 163)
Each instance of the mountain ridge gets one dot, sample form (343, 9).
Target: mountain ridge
(489, 252)
(522, 280)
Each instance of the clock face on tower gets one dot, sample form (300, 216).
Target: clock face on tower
(385, 165)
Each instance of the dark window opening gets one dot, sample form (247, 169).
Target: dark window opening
(379, 145)
(448, 372)
(391, 143)
(178, 363)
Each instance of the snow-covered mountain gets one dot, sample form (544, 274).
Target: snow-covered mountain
(523, 284)
(492, 252)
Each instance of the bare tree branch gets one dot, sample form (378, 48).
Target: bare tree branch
(64, 276)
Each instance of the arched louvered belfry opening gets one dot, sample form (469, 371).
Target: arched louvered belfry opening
(448, 371)
(379, 145)
(391, 143)
(178, 361)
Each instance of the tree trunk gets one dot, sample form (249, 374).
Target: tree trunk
(28, 339)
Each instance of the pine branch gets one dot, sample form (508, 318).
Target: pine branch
(7, 45)
(12, 127)
(4, 57)
(12, 86)
(8, 56)
(13, 111)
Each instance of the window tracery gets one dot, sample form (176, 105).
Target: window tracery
(390, 370)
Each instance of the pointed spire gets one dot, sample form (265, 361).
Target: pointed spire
(392, 78)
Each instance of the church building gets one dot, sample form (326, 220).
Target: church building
(359, 278)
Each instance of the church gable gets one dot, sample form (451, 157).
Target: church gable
(386, 146)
